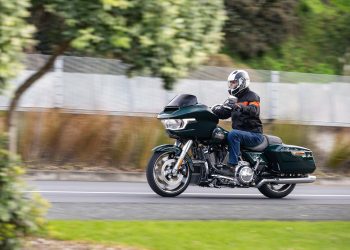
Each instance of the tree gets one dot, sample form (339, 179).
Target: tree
(163, 38)
(15, 36)
(20, 215)
(254, 27)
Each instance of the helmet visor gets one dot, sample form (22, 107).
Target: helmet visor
(233, 84)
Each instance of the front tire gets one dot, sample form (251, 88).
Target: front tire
(159, 175)
(276, 191)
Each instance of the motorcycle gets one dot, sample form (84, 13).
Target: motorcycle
(200, 152)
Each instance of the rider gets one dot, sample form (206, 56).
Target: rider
(243, 106)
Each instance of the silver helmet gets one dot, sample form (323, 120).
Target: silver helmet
(237, 81)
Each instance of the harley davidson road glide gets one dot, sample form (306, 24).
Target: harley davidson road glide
(200, 152)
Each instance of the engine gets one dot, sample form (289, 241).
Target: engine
(218, 156)
(244, 173)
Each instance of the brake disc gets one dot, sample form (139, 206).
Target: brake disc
(166, 174)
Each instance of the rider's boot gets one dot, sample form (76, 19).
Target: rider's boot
(228, 170)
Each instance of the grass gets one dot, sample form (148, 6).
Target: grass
(211, 235)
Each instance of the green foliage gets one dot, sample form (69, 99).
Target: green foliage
(158, 37)
(20, 215)
(15, 35)
(255, 27)
(322, 39)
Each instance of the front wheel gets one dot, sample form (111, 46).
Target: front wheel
(272, 190)
(160, 177)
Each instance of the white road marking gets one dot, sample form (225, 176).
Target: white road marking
(200, 194)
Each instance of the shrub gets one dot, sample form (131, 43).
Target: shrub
(20, 214)
(339, 157)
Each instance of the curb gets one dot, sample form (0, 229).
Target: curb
(59, 175)
(54, 175)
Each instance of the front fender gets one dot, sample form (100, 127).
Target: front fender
(177, 150)
(168, 148)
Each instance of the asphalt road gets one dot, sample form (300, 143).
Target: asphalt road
(135, 201)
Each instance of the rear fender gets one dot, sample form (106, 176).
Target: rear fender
(177, 150)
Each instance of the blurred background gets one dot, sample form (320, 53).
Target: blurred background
(81, 84)
(104, 70)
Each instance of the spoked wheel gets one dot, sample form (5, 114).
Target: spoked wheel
(272, 190)
(160, 177)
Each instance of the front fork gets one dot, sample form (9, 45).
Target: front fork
(184, 151)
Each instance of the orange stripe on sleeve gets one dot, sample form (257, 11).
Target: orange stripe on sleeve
(255, 103)
(244, 103)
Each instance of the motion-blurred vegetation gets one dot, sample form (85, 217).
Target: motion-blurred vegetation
(340, 155)
(255, 27)
(289, 35)
(56, 140)
(72, 140)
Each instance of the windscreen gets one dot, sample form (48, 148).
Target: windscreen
(183, 100)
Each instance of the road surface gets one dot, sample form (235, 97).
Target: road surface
(135, 201)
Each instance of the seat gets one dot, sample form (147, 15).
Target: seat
(268, 140)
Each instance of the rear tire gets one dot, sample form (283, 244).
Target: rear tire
(276, 191)
(160, 181)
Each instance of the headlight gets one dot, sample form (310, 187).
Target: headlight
(176, 124)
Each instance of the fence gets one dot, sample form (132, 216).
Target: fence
(90, 85)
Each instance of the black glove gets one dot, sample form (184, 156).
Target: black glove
(238, 107)
(230, 103)
(216, 107)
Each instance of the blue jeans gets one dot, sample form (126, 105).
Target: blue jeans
(236, 138)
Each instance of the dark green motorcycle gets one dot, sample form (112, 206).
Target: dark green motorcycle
(201, 151)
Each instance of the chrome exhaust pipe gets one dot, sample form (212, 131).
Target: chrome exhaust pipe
(309, 179)
(222, 177)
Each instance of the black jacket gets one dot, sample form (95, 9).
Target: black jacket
(247, 117)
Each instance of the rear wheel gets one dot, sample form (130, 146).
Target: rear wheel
(272, 190)
(160, 177)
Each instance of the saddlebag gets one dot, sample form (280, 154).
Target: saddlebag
(289, 159)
